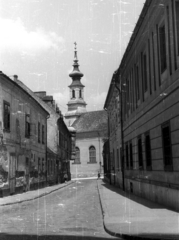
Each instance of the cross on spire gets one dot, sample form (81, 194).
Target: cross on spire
(75, 55)
(75, 45)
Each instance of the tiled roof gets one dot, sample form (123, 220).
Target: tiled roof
(91, 121)
(49, 109)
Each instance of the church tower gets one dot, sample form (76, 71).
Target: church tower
(76, 104)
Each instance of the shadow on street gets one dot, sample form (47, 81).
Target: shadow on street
(5, 236)
(131, 196)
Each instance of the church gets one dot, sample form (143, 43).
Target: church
(91, 129)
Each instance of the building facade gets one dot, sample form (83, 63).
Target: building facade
(22, 164)
(112, 150)
(59, 141)
(91, 133)
(149, 84)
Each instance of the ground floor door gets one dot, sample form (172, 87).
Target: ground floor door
(12, 174)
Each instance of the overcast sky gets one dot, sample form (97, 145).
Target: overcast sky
(37, 43)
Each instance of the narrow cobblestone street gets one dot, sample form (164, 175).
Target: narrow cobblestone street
(73, 212)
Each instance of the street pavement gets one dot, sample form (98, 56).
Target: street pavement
(132, 217)
(69, 211)
(78, 215)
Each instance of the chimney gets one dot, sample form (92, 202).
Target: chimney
(15, 77)
(41, 94)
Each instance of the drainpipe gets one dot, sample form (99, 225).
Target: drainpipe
(122, 134)
(99, 153)
(46, 150)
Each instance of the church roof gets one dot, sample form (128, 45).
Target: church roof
(91, 121)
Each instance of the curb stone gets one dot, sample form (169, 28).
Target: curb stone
(38, 196)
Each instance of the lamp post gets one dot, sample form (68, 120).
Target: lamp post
(121, 125)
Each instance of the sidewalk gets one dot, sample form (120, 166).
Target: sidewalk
(131, 217)
(30, 195)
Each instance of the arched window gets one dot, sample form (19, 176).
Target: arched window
(92, 154)
(77, 156)
(73, 93)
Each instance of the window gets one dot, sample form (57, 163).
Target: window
(6, 116)
(144, 71)
(77, 156)
(149, 59)
(39, 132)
(158, 55)
(167, 151)
(73, 93)
(39, 165)
(127, 156)
(48, 169)
(140, 157)
(117, 151)
(162, 44)
(177, 21)
(153, 54)
(43, 134)
(43, 165)
(148, 151)
(27, 125)
(80, 95)
(137, 82)
(131, 156)
(169, 40)
(92, 154)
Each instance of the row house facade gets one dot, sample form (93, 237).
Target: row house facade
(22, 155)
(148, 79)
(36, 146)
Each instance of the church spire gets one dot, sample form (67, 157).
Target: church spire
(76, 74)
(76, 104)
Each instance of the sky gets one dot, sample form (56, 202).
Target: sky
(37, 43)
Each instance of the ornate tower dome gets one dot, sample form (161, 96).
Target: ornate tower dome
(76, 104)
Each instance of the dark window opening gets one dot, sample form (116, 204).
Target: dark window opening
(149, 58)
(127, 156)
(6, 116)
(43, 134)
(137, 82)
(177, 21)
(140, 157)
(158, 55)
(27, 125)
(148, 151)
(162, 43)
(73, 93)
(167, 150)
(153, 53)
(131, 156)
(80, 94)
(39, 132)
(169, 40)
(144, 72)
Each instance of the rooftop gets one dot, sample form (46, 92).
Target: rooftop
(91, 121)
